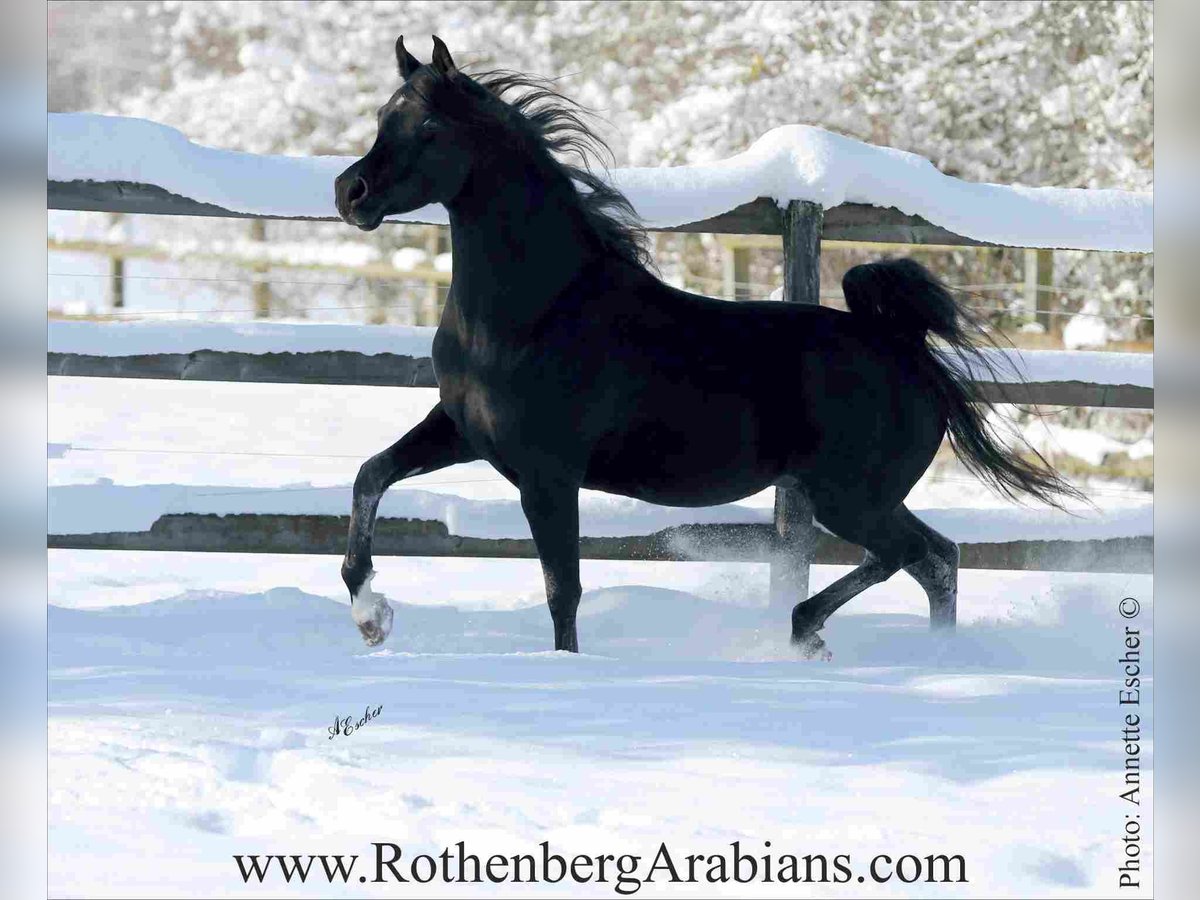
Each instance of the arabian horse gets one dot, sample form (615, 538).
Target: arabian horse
(563, 361)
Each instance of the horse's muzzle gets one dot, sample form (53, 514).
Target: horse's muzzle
(350, 191)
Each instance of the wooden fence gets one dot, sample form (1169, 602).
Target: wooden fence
(347, 367)
(791, 546)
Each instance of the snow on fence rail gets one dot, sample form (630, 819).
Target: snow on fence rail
(868, 193)
(803, 183)
(398, 356)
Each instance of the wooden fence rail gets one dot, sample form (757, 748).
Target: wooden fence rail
(395, 370)
(791, 546)
(855, 222)
(325, 534)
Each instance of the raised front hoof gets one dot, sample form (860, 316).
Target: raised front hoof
(811, 646)
(371, 613)
(375, 633)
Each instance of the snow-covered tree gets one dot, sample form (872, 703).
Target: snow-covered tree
(1013, 91)
(1031, 92)
(283, 77)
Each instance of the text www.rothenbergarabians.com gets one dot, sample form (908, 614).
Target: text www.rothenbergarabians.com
(626, 872)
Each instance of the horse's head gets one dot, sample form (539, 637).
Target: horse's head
(417, 157)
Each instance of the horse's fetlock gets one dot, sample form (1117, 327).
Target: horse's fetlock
(355, 573)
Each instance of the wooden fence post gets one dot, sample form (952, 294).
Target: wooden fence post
(261, 288)
(429, 315)
(793, 510)
(116, 276)
(1039, 279)
(116, 271)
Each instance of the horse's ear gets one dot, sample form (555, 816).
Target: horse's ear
(405, 61)
(441, 58)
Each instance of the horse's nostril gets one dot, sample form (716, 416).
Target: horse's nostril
(357, 192)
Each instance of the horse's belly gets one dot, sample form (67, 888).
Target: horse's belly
(680, 491)
(682, 444)
(700, 465)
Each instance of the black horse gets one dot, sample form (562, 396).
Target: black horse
(565, 363)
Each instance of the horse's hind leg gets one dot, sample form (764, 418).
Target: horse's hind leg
(891, 543)
(937, 573)
(433, 444)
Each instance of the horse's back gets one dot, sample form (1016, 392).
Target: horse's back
(769, 350)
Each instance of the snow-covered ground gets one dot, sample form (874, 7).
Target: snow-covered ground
(192, 694)
(792, 162)
(197, 727)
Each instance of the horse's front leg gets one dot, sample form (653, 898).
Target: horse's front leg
(552, 509)
(433, 444)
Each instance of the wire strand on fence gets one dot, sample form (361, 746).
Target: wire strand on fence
(1053, 312)
(402, 301)
(109, 277)
(73, 448)
(133, 314)
(765, 289)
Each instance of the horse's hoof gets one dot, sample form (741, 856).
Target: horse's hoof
(811, 646)
(371, 613)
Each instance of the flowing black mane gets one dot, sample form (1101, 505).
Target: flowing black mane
(529, 109)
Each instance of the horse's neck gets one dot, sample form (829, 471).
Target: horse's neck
(517, 242)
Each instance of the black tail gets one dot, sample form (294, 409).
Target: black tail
(908, 301)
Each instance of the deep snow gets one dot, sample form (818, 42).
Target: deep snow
(792, 162)
(195, 727)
